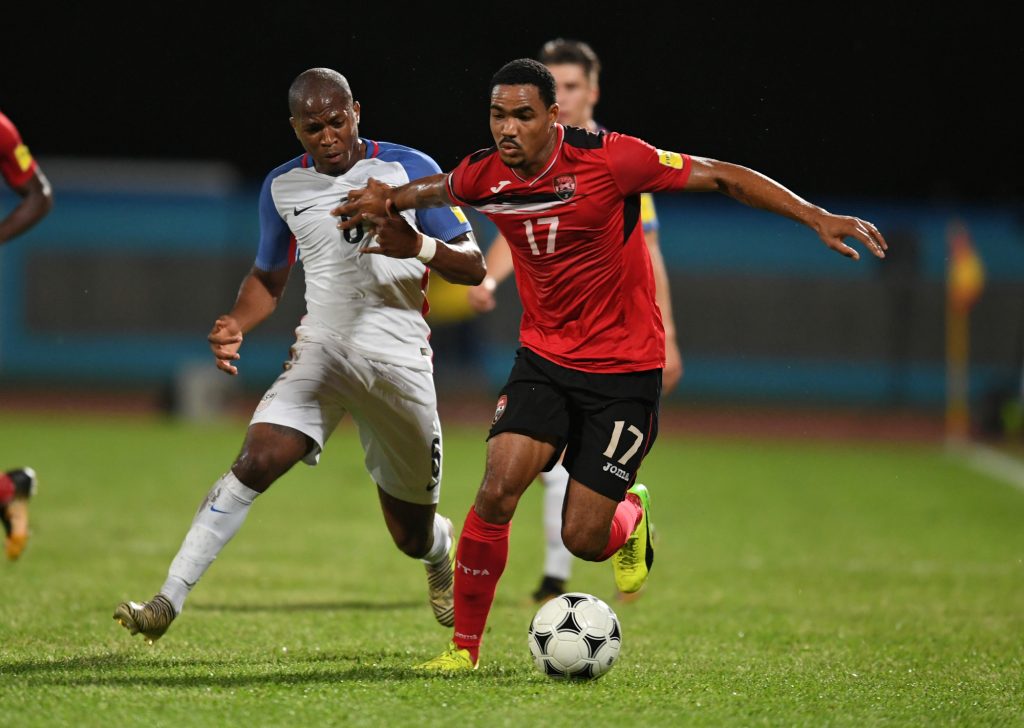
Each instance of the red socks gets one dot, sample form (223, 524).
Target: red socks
(479, 562)
(627, 517)
(6, 488)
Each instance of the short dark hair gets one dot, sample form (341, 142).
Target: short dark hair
(526, 71)
(564, 51)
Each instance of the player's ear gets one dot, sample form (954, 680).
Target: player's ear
(355, 110)
(294, 124)
(552, 114)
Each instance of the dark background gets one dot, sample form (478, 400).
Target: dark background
(912, 106)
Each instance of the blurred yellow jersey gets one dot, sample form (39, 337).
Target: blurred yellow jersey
(648, 217)
(449, 302)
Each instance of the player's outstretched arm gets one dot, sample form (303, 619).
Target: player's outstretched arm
(371, 200)
(756, 190)
(257, 298)
(458, 260)
(429, 191)
(36, 201)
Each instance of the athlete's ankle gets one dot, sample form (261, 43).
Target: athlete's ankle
(474, 651)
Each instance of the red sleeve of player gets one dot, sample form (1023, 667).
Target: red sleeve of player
(16, 163)
(637, 167)
(466, 182)
(457, 182)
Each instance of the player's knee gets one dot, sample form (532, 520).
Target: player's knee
(584, 540)
(583, 544)
(495, 502)
(268, 453)
(257, 468)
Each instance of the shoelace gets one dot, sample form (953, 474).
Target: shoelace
(628, 559)
(158, 608)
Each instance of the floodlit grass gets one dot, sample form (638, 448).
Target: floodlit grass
(795, 584)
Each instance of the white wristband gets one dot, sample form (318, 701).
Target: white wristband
(428, 246)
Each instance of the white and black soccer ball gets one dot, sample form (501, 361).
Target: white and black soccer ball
(575, 635)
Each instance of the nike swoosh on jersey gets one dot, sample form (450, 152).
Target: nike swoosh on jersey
(296, 211)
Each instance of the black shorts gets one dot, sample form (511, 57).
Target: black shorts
(606, 423)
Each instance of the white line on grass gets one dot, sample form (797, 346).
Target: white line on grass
(991, 462)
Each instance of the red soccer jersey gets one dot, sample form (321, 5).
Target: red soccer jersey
(16, 164)
(581, 263)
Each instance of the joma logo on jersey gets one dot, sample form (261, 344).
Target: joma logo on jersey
(616, 471)
(471, 572)
(565, 186)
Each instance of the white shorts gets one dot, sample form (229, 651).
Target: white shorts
(394, 407)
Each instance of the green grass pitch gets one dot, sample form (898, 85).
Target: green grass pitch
(795, 583)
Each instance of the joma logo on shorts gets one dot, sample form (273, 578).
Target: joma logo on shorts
(616, 471)
(472, 572)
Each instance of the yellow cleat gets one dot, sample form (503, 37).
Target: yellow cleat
(632, 563)
(453, 659)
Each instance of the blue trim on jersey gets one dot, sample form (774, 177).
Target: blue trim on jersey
(275, 247)
(437, 222)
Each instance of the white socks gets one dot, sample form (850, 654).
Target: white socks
(557, 558)
(219, 517)
(442, 541)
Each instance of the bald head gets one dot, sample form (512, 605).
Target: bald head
(325, 119)
(311, 86)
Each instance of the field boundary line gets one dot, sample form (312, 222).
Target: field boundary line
(989, 461)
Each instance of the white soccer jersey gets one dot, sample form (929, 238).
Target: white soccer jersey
(373, 303)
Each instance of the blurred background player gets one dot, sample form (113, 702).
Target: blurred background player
(22, 174)
(16, 487)
(362, 347)
(577, 69)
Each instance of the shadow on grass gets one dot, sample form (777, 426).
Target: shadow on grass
(130, 671)
(349, 606)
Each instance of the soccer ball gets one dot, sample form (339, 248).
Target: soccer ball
(576, 636)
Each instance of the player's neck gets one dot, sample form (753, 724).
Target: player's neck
(358, 153)
(534, 166)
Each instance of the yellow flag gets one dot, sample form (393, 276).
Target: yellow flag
(966, 274)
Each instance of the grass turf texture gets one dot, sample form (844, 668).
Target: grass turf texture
(795, 584)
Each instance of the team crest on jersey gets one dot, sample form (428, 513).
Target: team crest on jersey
(500, 409)
(265, 402)
(565, 186)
